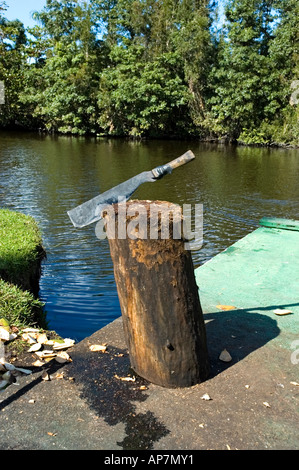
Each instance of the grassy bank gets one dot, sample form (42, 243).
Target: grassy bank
(21, 253)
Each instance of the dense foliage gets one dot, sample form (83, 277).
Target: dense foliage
(155, 68)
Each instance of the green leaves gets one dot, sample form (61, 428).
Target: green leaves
(138, 97)
(248, 84)
(62, 81)
(154, 68)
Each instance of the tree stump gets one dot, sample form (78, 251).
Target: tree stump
(162, 316)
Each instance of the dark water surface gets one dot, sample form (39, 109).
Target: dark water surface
(44, 176)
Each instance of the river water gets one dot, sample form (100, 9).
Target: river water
(44, 176)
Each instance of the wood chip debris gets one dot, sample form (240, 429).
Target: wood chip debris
(98, 347)
(126, 379)
(226, 307)
(40, 344)
(282, 311)
(9, 374)
(62, 357)
(47, 349)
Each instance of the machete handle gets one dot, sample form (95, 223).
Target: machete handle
(185, 158)
(164, 169)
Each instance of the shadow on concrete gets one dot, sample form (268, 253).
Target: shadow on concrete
(240, 332)
(99, 379)
(98, 375)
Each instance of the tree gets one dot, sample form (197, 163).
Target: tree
(62, 81)
(155, 68)
(156, 79)
(12, 59)
(193, 41)
(284, 52)
(140, 98)
(244, 91)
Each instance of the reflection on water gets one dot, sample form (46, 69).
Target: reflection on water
(45, 176)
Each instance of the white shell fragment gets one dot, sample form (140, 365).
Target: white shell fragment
(206, 396)
(281, 311)
(42, 338)
(35, 347)
(98, 347)
(45, 376)
(62, 357)
(4, 334)
(39, 344)
(66, 344)
(45, 354)
(38, 363)
(225, 356)
(30, 338)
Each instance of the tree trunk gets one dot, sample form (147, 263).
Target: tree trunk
(162, 316)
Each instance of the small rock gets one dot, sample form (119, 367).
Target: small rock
(266, 404)
(206, 396)
(225, 356)
(45, 376)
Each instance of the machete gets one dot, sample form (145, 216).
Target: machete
(91, 211)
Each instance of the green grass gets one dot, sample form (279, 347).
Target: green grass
(20, 256)
(19, 307)
(20, 242)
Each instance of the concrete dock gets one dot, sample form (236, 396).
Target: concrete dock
(95, 402)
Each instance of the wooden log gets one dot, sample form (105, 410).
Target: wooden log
(162, 316)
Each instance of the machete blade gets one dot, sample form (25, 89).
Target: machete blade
(91, 211)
